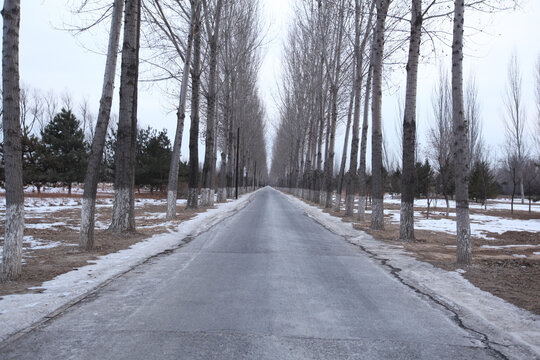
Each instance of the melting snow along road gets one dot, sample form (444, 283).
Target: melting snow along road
(267, 283)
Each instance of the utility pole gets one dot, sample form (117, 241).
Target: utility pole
(237, 146)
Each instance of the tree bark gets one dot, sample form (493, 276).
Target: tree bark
(363, 148)
(14, 231)
(406, 229)
(359, 48)
(193, 182)
(86, 234)
(344, 158)
(209, 161)
(123, 218)
(377, 191)
(460, 143)
(172, 187)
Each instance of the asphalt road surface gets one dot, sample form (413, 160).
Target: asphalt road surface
(267, 283)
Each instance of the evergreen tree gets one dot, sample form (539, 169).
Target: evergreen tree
(424, 178)
(33, 153)
(65, 154)
(153, 158)
(482, 184)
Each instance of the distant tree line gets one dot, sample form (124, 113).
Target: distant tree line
(58, 154)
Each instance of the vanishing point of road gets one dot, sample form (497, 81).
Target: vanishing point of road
(267, 283)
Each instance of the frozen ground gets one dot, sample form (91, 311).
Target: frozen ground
(17, 312)
(482, 226)
(49, 213)
(513, 331)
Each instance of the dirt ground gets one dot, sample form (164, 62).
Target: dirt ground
(43, 264)
(512, 274)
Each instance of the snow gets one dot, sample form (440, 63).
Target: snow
(18, 312)
(492, 204)
(29, 243)
(502, 247)
(480, 224)
(511, 330)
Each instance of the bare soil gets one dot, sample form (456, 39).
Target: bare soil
(512, 274)
(40, 265)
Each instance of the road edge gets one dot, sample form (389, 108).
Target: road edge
(509, 330)
(33, 310)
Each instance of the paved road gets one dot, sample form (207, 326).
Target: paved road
(267, 283)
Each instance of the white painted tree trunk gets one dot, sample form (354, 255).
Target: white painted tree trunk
(14, 230)
(172, 187)
(363, 148)
(460, 144)
(377, 191)
(209, 161)
(86, 234)
(123, 218)
(406, 221)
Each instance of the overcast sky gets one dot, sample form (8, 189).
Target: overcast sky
(53, 59)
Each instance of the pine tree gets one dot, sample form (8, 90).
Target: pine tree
(153, 158)
(65, 154)
(482, 184)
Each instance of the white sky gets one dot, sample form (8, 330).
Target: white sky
(52, 59)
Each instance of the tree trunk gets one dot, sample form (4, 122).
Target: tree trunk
(86, 234)
(406, 222)
(329, 163)
(363, 148)
(344, 159)
(172, 187)
(222, 187)
(14, 232)
(124, 200)
(193, 183)
(377, 191)
(207, 178)
(359, 61)
(460, 143)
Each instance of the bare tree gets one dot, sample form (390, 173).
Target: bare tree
(172, 187)
(212, 30)
(377, 212)
(363, 148)
(440, 135)
(515, 121)
(123, 218)
(361, 41)
(472, 114)
(86, 234)
(195, 99)
(537, 137)
(12, 253)
(406, 232)
(460, 145)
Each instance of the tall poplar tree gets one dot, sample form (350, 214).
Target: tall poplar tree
(12, 254)
(123, 218)
(86, 234)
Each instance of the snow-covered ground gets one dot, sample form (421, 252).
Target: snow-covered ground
(48, 209)
(18, 312)
(513, 331)
(481, 225)
(491, 204)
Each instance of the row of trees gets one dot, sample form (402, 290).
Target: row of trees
(336, 53)
(208, 48)
(59, 154)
